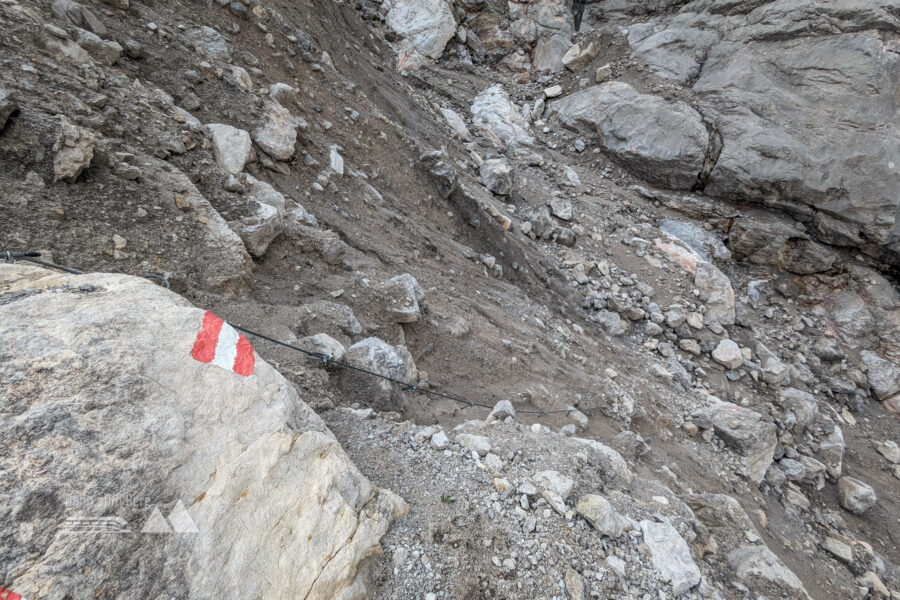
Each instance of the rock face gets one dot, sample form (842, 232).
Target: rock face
(763, 240)
(671, 555)
(754, 70)
(744, 430)
(664, 142)
(427, 25)
(74, 150)
(233, 460)
(231, 147)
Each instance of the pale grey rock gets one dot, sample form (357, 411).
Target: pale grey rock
(800, 408)
(761, 570)
(889, 450)
(283, 94)
(74, 150)
(231, 147)
(555, 482)
(661, 141)
(241, 460)
(600, 513)
(501, 411)
(855, 495)
(549, 51)
(336, 161)
(728, 354)
(708, 246)
(496, 175)
(276, 133)
(744, 430)
(474, 443)
(104, 52)
(579, 55)
(322, 343)
(427, 24)
(439, 440)
(882, 374)
(376, 355)
(671, 556)
(561, 207)
(456, 123)
(716, 288)
(226, 264)
(210, 43)
(608, 460)
(402, 295)
(335, 319)
(260, 229)
(499, 119)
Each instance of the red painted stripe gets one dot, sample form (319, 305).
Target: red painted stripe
(205, 346)
(9, 595)
(244, 361)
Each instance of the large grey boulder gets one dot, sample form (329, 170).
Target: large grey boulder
(745, 431)
(191, 462)
(662, 141)
(671, 556)
(761, 570)
(855, 495)
(426, 24)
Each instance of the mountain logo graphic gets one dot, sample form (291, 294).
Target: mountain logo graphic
(181, 521)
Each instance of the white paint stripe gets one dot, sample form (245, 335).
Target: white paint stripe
(226, 347)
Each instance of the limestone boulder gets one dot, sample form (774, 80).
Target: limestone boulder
(157, 424)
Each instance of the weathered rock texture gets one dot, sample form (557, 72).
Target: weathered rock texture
(804, 98)
(98, 369)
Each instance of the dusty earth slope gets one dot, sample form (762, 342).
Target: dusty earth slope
(684, 226)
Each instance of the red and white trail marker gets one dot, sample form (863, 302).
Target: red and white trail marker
(9, 595)
(220, 344)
